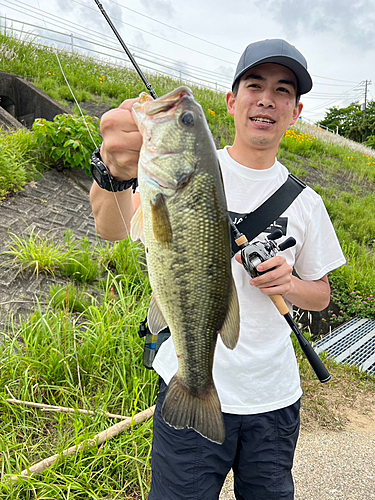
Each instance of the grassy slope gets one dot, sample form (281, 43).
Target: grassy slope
(90, 355)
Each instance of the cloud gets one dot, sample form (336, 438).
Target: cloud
(163, 8)
(140, 42)
(88, 11)
(351, 21)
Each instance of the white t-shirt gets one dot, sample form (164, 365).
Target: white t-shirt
(261, 373)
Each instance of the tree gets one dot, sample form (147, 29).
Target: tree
(351, 122)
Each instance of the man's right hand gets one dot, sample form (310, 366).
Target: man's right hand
(122, 141)
(120, 150)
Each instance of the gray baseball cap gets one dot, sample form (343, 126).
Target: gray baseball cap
(275, 51)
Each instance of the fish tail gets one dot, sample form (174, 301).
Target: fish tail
(201, 411)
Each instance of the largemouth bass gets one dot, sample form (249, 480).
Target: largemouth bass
(187, 237)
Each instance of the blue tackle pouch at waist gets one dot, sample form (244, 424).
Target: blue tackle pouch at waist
(152, 342)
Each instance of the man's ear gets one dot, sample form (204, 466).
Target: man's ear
(296, 113)
(231, 103)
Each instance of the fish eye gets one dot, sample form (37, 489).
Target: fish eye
(187, 118)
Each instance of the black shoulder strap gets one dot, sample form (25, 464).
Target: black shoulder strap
(256, 222)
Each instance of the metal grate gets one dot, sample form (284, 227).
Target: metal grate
(352, 343)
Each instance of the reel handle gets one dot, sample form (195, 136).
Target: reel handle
(275, 235)
(289, 242)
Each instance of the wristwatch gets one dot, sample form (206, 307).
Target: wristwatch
(103, 178)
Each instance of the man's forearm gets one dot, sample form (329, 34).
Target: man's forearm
(112, 212)
(309, 295)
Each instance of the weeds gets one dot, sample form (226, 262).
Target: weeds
(67, 141)
(36, 254)
(80, 263)
(18, 161)
(79, 260)
(90, 360)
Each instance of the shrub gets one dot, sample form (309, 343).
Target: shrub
(68, 141)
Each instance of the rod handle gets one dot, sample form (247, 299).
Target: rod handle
(316, 363)
(280, 304)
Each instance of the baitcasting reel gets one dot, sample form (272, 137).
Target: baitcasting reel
(253, 254)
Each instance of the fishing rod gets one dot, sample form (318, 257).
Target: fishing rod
(254, 254)
(129, 54)
(251, 255)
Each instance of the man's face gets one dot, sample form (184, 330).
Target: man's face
(265, 106)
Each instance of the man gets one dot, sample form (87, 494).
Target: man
(258, 382)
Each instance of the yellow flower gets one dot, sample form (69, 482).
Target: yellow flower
(212, 112)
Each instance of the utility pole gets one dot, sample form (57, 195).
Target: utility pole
(367, 83)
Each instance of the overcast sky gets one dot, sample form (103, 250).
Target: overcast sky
(336, 36)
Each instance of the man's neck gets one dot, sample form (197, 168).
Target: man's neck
(256, 159)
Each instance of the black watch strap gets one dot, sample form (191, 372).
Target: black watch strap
(103, 178)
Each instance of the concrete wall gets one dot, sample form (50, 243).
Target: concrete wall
(8, 122)
(24, 102)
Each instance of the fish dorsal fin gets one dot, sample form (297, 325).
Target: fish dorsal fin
(155, 318)
(136, 226)
(161, 225)
(230, 329)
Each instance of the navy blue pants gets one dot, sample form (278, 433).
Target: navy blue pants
(259, 448)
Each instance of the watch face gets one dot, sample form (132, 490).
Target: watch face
(96, 174)
(103, 178)
(100, 174)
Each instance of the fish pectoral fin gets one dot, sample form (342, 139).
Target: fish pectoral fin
(201, 411)
(161, 225)
(136, 226)
(230, 329)
(155, 319)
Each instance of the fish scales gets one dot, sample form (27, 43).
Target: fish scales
(187, 238)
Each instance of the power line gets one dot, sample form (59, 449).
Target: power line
(158, 36)
(333, 84)
(163, 61)
(344, 96)
(190, 76)
(334, 79)
(173, 27)
(71, 27)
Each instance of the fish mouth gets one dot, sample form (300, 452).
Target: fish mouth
(167, 102)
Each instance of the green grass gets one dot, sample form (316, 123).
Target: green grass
(347, 186)
(79, 351)
(36, 253)
(18, 162)
(78, 260)
(82, 350)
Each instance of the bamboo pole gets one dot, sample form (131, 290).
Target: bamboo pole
(97, 440)
(62, 409)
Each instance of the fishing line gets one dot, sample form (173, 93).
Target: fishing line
(66, 80)
(135, 262)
